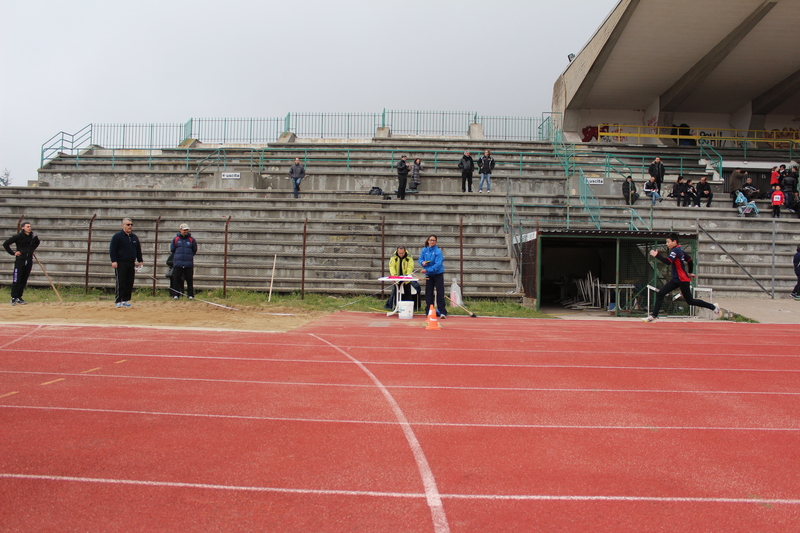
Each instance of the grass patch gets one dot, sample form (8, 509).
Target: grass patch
(739, 318)
(243, 298)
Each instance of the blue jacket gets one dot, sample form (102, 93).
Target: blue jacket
(184, 248)
(796, 263)
(432, 260)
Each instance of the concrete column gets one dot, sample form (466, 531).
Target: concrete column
(476, 132)
(287, 137)
(383, 132)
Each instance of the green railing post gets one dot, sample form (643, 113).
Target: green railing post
(287, 123)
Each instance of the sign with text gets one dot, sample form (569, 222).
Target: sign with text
(231, 175)
(594, 181)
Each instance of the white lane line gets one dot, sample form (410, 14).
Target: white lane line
(438, 515)
(400, 387)
(394, 422)
(414, 363)
(359, 493)
(539, 349)
(31, 332)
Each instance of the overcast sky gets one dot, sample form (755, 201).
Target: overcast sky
(64, 65)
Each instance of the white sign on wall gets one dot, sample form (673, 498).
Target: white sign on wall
(594, 181)
(231, 175)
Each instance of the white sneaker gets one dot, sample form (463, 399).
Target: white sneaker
(649, 319)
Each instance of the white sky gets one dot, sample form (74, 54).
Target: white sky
(64, 65)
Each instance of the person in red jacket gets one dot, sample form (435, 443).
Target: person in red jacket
(777, 200)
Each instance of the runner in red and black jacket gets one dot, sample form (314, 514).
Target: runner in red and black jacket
(682, 276)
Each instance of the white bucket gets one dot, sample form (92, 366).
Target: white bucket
(406, 310)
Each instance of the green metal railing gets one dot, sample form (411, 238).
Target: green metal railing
(711, 155)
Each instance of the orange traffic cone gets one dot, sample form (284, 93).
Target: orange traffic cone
(433, 320)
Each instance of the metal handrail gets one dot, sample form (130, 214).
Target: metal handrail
(707, 151)
(701, 228)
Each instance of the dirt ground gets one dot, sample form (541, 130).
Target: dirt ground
(170, 314)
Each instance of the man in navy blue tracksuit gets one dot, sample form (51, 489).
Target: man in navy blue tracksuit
(125, 250)
(183, 249)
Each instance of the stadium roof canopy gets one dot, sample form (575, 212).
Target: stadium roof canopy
(667, 60)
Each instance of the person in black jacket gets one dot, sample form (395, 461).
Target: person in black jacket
(26, 242)
(679, 192)
(485, 166)
(657, 171)
(125, 250)
(296, 173)
(704, 192)
(467, 167)
(629, 191)
(402, 177)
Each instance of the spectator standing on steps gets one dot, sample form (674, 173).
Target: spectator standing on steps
(416, 169)
(296, 173)
(467, 167)
(125, 250)
(485, 166)
(402, 177)
(704, 192)
(26, 242)
(183, 248)
(657, 171)
(796, 263)
(736, 181)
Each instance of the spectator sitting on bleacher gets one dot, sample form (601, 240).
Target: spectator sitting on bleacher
(679, 191)
(651, 190)
(749, 190)
(691, 195)
(704, 192)
(629, 191)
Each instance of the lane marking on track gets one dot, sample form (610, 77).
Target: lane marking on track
(86, 371)
(424, 363)
(403, 387)
(31, 332)
(438, 515)
(529, 497)
(54, 381)
(9, 394)
(394, 422)
(118, 362)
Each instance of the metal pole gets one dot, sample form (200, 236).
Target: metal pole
(225, 261)
(272, 278)
(89, 253)
(383, 253)
(303, 271)
(461, 251)
(155, 256)
(773, 259)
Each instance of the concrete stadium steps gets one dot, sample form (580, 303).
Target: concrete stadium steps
(343, 253)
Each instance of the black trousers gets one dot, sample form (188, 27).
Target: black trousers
(22, 269)
(435, 281)
(401, 186)
(179, 274)
(685, 291)
(124, 274)
(700, 198)
(796, 289)
(466, 181)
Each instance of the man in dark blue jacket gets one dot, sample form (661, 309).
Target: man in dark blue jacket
(26, 243)
(796, 264)
(125, 250)
(467, 167)
(183, 249)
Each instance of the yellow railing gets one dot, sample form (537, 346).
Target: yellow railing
(785, 139)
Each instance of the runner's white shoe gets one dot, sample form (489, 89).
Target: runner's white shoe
(649, 319)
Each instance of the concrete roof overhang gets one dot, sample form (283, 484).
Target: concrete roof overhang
(704, 56)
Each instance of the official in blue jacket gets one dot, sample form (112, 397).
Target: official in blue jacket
(183, 249)
(432, 262)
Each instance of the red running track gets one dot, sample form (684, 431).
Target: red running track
(360, 422)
